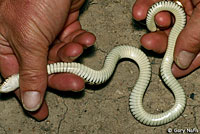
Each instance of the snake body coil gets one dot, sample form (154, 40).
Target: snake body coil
(180, 98)
(136, 97)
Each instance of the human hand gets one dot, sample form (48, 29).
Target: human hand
(187, 49)
(27, 30)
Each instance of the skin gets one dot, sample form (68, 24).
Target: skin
(187, 49)
(33, 34)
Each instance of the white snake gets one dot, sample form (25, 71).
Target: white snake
(136, 97)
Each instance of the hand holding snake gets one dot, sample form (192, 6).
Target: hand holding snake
(34, 33)
(157, 41)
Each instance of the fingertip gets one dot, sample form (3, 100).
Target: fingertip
(184, 59)
(156, 41)
(179, 72)
(70, 52)
(86, 39)
(75, 26)
(186, 49)
(139, 11)
(41, 113)
(32, 75)
(66, 82)
(32, 88)
(163, 19)
(176, 71)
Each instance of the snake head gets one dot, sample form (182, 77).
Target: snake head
(10, 84)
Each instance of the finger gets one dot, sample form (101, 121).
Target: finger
(188, 42)
(187, 4)
(140, 8)
(41, 113)
(80, 39)
(72, 17)
(163, 19)
(74, 33)
(72, 28)
(86, 39)
(65, 52)
(70, 52)
(71, 45)
(177, 72)
(32, 59)
(76, 4)
(156, 41)
(195, 2)
(66, 82)
(9, 66)
(33, 80)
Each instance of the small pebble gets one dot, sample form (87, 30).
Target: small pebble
(192, 96)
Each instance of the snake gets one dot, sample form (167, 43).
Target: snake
(124, 51)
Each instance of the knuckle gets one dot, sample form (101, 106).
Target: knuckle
(33, 79)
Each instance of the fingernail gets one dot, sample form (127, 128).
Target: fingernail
(79, 90)
(184, 59)
(31, 100)
(73, 58)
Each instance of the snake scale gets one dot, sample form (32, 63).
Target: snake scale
(123, 51)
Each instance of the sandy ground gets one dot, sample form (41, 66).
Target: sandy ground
(104, 109)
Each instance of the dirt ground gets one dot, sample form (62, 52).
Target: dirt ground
(104, 109)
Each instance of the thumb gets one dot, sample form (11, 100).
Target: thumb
(188, 42)
(32, 60)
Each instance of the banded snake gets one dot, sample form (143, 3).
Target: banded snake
(136, 96)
